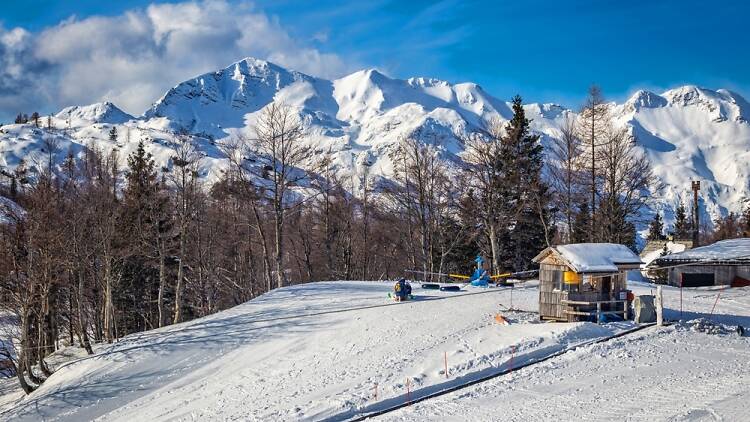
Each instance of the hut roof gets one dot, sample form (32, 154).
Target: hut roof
(593, 257)
(724, 251)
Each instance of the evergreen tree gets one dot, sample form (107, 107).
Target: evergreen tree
(13, 188)
(581, 224)
(113, 134)
(35, 118)
(681, 223)
(655, 228)
(746, 222)
(145, 230)
(523, 161)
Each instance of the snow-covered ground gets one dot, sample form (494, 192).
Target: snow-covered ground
(303, 353)
(671, 373)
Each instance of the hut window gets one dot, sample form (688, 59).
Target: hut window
(557, 280)
(570, 281)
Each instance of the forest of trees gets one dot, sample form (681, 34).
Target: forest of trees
(99, 250)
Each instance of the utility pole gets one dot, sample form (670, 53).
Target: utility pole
(696, 185)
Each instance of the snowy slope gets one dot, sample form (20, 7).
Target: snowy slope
(689, 133)
(291, 355)
(287, 356)
(671, 373)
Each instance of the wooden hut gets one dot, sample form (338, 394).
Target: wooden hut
(724, 263)
(584, 281)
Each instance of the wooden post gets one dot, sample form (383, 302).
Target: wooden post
(625, 310)
(681, 274)
(598, 312)
(659, 307)
(376, 391)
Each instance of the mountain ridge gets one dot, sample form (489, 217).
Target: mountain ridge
(687, 132)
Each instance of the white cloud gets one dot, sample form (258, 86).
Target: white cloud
(133, 58)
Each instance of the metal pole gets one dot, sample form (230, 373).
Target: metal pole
(696, 185)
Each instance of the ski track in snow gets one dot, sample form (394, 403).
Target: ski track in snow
(288, 355)
(660, 374)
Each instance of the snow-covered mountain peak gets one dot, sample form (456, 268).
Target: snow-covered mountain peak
(644, 99)
(104, 112)
(222, 98)
(688, 95)
(721, 105)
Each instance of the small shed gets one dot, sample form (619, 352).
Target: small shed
(584, 281)
(726, 263)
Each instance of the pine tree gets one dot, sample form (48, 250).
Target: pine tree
(113, 134)
(35, 118)
(581, 224)
(681, 223)
(13, 188)
(146, 227)
(655, 228)
(746, 222)
(523, 161)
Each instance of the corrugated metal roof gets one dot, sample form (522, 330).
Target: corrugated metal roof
(722, 251)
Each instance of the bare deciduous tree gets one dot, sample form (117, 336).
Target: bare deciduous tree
(564, 169)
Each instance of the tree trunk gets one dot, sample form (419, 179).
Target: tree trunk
(180, 276)
(162, 284)
(23, 355)
(495, 249)
(108, 304)
(279, 220)
(82, 325)
(266, 262)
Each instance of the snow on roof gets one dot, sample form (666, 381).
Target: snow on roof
(597, 257)
(724, 250)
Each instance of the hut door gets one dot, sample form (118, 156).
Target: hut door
(606, 286)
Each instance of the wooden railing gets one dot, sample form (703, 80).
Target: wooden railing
(598, 312)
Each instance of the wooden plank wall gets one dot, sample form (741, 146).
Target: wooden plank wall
(550, 275)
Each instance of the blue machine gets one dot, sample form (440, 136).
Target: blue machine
(480, 278)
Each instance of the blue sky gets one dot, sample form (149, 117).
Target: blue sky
(544, 50)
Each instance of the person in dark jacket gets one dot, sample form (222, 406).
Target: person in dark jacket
(402, 290)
